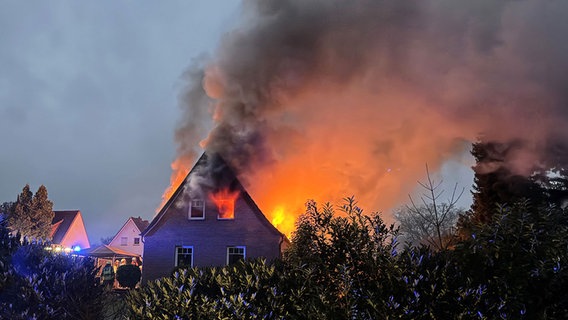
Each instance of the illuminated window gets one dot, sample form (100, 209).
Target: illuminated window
(225, 200)
(197, 209)
(184, 256)
(123, 241)
(226, 209)
(235, 254)
(136, 241)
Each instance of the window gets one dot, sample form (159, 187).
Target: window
(235, 254)
(184, 256)
(197, 209)
(123, 241)
(226, 209)
(136, 241)
(225, 199)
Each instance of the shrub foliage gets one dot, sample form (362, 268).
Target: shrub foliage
(348, 265)
(38, 284)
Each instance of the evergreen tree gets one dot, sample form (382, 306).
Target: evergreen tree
(31, 216)
(495, 184)
(19, 219)
(42, 214)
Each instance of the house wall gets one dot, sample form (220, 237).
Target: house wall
(209, 238)
(130, 231)
(76, 235)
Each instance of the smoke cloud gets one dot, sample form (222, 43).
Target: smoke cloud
(320, 99)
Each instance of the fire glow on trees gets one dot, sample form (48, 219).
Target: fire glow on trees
(325, 99)
(224, 200)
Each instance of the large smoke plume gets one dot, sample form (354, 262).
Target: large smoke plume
(319, 99)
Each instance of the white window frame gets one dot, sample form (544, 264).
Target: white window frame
(229, 253)
(192, 205)
(177, 253)
(134, 241)
(123, 241)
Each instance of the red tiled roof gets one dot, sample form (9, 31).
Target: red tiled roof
(140, 223)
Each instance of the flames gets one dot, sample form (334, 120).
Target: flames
(225, 200)
(356, 99)
(179, 172)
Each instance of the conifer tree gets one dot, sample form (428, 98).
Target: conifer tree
(31, 215)
(495, 184)
(42, 214)
(19, 219)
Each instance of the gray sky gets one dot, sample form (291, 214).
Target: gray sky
(89, 96)
(88, 99)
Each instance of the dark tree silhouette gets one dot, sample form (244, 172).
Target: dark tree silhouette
(31, 215)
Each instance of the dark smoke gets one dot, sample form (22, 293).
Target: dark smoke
(359, 88)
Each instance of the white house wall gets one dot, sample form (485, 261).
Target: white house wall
(130, 231)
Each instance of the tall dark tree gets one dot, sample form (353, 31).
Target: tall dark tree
(495, 184)
(31, 215)
(42, 214)
(19, 218)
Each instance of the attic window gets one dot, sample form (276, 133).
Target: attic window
(225, 200)
(197, 209)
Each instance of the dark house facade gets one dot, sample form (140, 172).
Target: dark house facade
(209, 221)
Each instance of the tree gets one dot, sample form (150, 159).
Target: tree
(346, 259)
(19, 219)
(430, 222)
(495, 184)
(31, 215)
(106, 240)
(42, 214)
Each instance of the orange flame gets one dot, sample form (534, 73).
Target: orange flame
(282, 221)
(225, 202)
(180, 171)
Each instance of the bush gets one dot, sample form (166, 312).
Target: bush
(128, 275)
(350, 267)
(38, 284)
(246, 290)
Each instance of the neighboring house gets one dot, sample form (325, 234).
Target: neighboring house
(128, 237)
(68, 231)
(209, 221)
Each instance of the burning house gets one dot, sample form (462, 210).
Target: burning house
(210, 220)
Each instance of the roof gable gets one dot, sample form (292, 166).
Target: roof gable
(61, 223)
(138, 223)
(68, 229)
(210, 173)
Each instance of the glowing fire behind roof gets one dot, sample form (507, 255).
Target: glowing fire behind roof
(326, 99)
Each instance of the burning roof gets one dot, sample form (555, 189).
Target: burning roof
(210, 178)
(323, 99)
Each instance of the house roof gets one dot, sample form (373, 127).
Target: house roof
(105, 251)
(219, 166)
(140, 223)
(61, 223)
